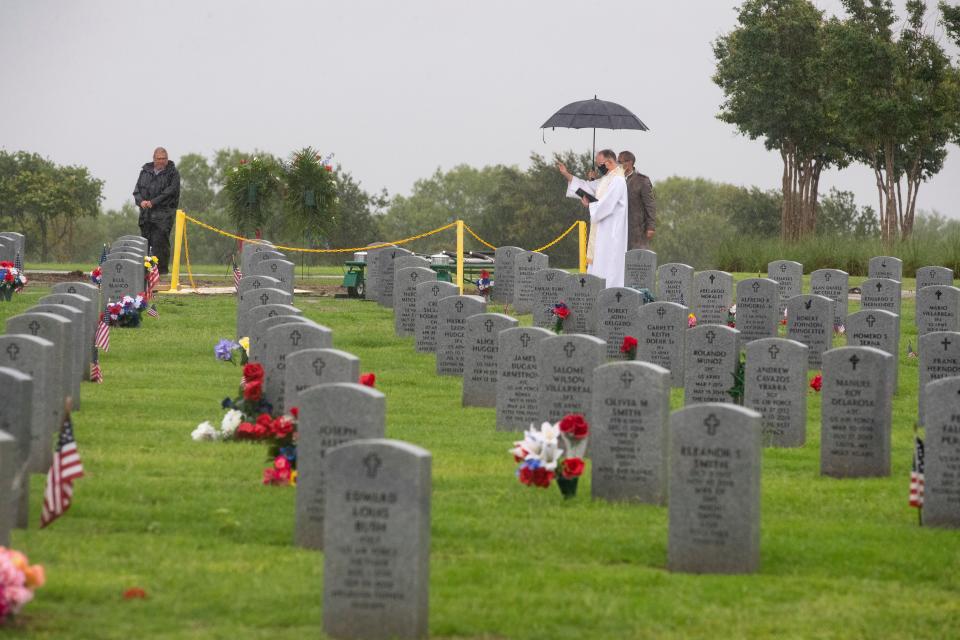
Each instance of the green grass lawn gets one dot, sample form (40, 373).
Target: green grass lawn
(191, 524)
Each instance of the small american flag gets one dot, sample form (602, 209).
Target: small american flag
(236, 277)
(103, 255)
(96, 374)
(152, 311)
(916, 475)
(153, 279)
(102, 340)
(17, 262)
(65, 469)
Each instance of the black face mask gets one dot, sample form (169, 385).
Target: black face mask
(602, 169)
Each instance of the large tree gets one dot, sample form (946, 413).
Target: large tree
(771, 70)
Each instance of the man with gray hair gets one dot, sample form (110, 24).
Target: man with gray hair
(157, 196)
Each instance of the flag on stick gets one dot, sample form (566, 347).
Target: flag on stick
(153, 279)
(103, 255)
(236, 277)
(102, 340)
(17, 262)
(916, 474)
(66, 468)
(96, 375)
(152, 311)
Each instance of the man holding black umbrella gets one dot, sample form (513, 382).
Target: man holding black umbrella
(606, 199)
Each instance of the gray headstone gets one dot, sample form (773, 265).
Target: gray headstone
(249, 300)
(265, 255)
(927, 276)
(372, 271)
(404, 262)
(425, 319)
(885, 267)
(249, 249)
(775, 386)
(249, 283)
(452, 314)
(8, 470)
(279, 313)
(74, 348)
(939, 353)
(640, 270)
(675, 283)
(89, 291)
(121, 278)
(126, 253)
(481, 358)
(833, 284)
(938, 309)
(566, 363)
(789, 278)
(712, 354)
(855, 415)
(712, 296)
(7, 250)
(880, 293)
(19, 242)
(35, 357)
(90, 316)
(503, 275)
(876, 328)
(387, 273)
(281, 340)
(377, 506)
(810, 321)
(518, 377)
(282, 270)
(941, 502)
(581, 294)
(16, 400)
(309, 367)
(618, 316)
(628, 432)
(525, 265)
(405, 283)
(714, 510)
(663, 327)
(549, 288)
(330, 415)
(757, 315)
(259, 330)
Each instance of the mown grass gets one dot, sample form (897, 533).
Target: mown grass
(189, 522)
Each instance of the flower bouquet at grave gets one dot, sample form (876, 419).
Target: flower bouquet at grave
(629, 347)
(484, 284)
(816, 383)
(225, 350)
(18, 580)
(96, 276)
(691, 321)
(554, 451)
(732, 317)
(11, 279)
(126, 312)
(560, 313)
(151, 262)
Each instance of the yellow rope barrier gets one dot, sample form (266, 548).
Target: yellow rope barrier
(478, 238)
(350, 250)
(558, 238)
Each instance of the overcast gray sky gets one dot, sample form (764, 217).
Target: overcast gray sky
(394, 89)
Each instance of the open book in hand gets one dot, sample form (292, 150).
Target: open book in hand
(584, 194)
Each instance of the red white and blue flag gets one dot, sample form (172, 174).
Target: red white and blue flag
(58, 494)
(916, 475)
(236, 277)
(102, 339)
(96, 374)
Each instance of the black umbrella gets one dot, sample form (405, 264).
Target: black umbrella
(594, 114)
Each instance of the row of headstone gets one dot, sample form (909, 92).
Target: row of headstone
(123, 272)
(265, 289)
(12, 246)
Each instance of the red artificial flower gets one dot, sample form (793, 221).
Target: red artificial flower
(264, 420)
(281, 462)
(484, 275)
(253, 371)
(282, 476)
(526, 475)
(295, 412)
(253, 390)
(245, 430)
(574, 426)
(816, 383)
(269, 475)
(368, 379)
(522, 457)
(281, 427)
(542, 477)
(629, 344)
(562, 311)
(8, 276)
(6, 264)
(134, 593)
(572, 467)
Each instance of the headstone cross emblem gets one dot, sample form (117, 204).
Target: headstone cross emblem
(272, 313)
(435, 290)
(806, 305)
(879, 286)
(569, 348)
(583, 282)
(618, 296)
(827, 276)
(13, 351)
(118, 268)
(884, 264)
(938, 294)
(295, 336)
(530, 258)
(488, 325)
(525, 340)
(783, 268)
(711, 423)
(264, 298)
(71, 290)
(273, 266)
(756, 287)
(34, 327)
(773, 351)
(414, 275)
(372, 462)
(854, 360)
(946, 343)
(256, 284)
(712, 278)
(318, 366)
(673, 271)
(661, 311)
(711, 336)
(626, 379)
(459, 306)
(871, 320)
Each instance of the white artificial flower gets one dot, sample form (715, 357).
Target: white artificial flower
(231, 420)
(550, 455)
(204, 431)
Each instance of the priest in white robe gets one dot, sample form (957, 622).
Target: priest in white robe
(607, 245)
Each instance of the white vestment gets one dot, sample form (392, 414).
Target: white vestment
(608, 216)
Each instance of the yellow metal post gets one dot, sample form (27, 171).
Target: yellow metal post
(460, 255)
(582, 231)
(179, 230)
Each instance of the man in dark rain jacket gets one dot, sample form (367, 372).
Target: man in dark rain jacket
(157, 195)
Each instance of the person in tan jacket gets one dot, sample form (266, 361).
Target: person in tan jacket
(641, 204)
